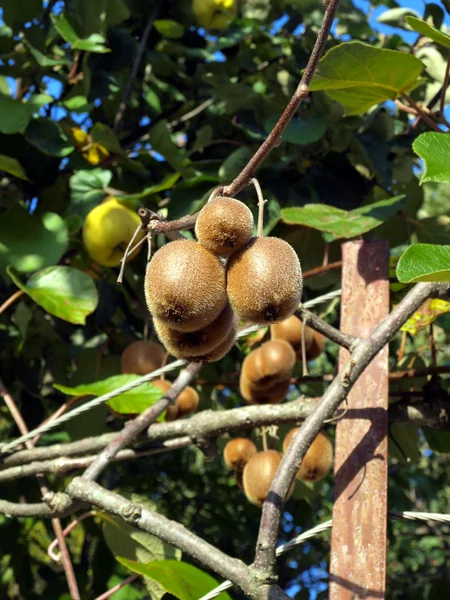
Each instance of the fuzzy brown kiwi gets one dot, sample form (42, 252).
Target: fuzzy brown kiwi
(317, 461)
(142, 357)
(271, 363)
(185, 285)
(237, 453)
(187, 401)
(316, 348)
(273, 395)
(224, 225)
(291, 330)
(258, 475)
(219, 351)
(264, 281)
(196, 343)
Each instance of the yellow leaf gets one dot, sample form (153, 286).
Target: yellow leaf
(95, 153)
(80, 137)
(427, 313)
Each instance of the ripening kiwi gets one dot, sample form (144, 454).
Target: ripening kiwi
(273, 395)
(317, 462)
(224, 225)
(142, 357)
(219, 351)
(317, 346)
(238, 452)
(291, 331)
(271, 363)
(187, 345)
(264, 281)
(187, 401)
(258, 475)
(185, 285)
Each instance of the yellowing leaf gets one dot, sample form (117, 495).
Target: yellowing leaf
(427, 313)
(80, 137)
(95, 154)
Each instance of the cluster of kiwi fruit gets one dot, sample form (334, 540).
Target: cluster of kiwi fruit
(266, 371)
(142, 357)
(254, 471)
(197, 290)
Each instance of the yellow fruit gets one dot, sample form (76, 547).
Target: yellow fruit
(142, 357)
(224, 225)
(264, 281)
(214, 14)
(185, 286)
(317, 462)
(291, 330)
(238, 452)
(107, 230)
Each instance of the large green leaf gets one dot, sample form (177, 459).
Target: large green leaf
(424, 262)
(48, 137)
(31, 242)
(342, 223)
(429, 31)
(15, 114)
(94, 43)
(161, 141)
(88, 189)
(134, 401)
(13, 167)
(168, 182)
(439, 441)
(64, 292)
(169, 29)
(300, 131)
(182, 580)
(358, 75)
(434, 149)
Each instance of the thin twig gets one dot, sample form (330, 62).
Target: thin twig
(11, 300)
(118, 587)
(56, 523)
(323, 269)
(314, 322)
(261, 203)
(304, 361)
(129, 250)
(192, 113)
(137, 63)
(421, 113)
(444, 87)
(66, 531)
(302, 91)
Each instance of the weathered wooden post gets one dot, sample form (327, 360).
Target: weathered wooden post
(358, 541)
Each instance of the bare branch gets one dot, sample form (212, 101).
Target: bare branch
(362, 354)
(314, 322)
(133, 428)
(163, 528)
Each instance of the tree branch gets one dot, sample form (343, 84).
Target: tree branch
(133, 428)
(361, 356)
(314, 322)
(163, 528)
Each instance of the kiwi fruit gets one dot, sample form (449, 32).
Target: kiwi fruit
(291, 330)
(271, 363)
(237, 453)
(264, 281)
(273, 395)
(317, 346)
(258, 475)
(219, 351)
(317, 461)
(185, 285)
(142, 357)
(224, 225)
(187, 402)
(196, 343)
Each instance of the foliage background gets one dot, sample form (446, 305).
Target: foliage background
(166, 154)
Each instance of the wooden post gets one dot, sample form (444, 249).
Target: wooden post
(358, 540)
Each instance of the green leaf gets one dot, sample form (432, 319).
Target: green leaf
(424, 262)
(131, 543)
(48, 137)
(104, 135)
(395, 17)
(429, 31)
(134, 401)
(116, 12)
(343, 223)
(64, 292)
(94, 43)
(182, 580)
(13, 167)
(14, 115)
(358, 75)
(439, 441)
(300, 131)
(161, 141)
(434, 149)
(234, 164)
(168, 182)
(43, 60)
(88, 189)
(169, 29)
(31, 242)
(404, 442)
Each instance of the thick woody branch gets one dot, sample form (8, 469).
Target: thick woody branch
(163, 528)
(133, 428)
(362, 354)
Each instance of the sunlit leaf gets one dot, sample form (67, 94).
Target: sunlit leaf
(434, 149)
(424, 262)
(426, 315)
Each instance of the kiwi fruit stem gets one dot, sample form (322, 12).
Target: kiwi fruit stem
(261, 203)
